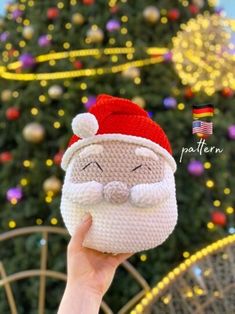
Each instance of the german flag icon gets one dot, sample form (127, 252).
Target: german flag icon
(203, 111)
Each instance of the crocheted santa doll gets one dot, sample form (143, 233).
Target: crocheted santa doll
(119, 168)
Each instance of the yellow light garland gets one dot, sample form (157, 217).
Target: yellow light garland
(202, 55)
(176, 272)
(86, 53)
(78, 73)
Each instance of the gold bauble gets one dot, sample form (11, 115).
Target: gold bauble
(78, 19)
(12, 7)
(139, 101)
(95, 35)
(55, 91)
(28, 32)
(34, 132)
(52, 184)
(131, 72)
(6, 95)
(151, 14)
(199, 3)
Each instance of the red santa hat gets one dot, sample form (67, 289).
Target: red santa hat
(113, 118)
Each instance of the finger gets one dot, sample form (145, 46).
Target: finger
(119, 258)
(80, 233)
(123, 256)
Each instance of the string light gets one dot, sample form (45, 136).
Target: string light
(34, 111)
(216, 203)
(164, 20)
(207, 165)
(48, 199)
(39, 221)
(186, 254)
(54, 221)
(23, 182)
(143, 257)
(181, 106)
(30, 3)
(49, 162)
(227, 191)
(78, 53)
(61, 112)
(12, 224)
(210, 184)
(83, 86)
(210, 225)
(79, 73)
(56, 124)
(14, 201)
(178, 271)
(229, 210)
(42, 98)
(26, 163)
(202, 62)
(43, 83)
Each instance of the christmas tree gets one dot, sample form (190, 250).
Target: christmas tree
(56, 57)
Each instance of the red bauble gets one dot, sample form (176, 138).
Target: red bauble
(58, 157)
(11, 52)
(227, 92)
(5, 157)
(114, 9)
(88, 2)
(12, 113)
(193, 9)
(218, 218)
(188, 93)
(52, 13)
(77, 64)
(173, 14)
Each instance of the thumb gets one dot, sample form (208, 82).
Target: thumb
(78, 237)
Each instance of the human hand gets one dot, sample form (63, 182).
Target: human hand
(90, 273)
(89, 268)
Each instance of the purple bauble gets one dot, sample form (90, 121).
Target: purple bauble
(170, 102)
(113, 25)
(44, 41)
(150, 114)
(168, 56)
(90, 101)
(231, 132)
(219, 10)
(195, 168)
(17, 13)
(14, 193)
(4, 36)
(27, 60)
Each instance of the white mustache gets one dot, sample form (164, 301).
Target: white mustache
(153, 194)
(140, 195)
(86, 193)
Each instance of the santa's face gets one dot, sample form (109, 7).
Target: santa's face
(128, 189)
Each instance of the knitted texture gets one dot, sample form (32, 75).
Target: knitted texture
(130, 195)
(121, 116)
(116, 162)
(85, 125)
(119, 168)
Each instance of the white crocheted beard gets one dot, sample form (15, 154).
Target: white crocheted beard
(129, 192)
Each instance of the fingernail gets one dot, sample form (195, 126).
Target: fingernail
(86, 217)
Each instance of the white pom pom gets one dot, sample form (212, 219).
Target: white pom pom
(85, 125)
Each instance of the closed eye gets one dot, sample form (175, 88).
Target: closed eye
(92, 162)
(140, 167)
